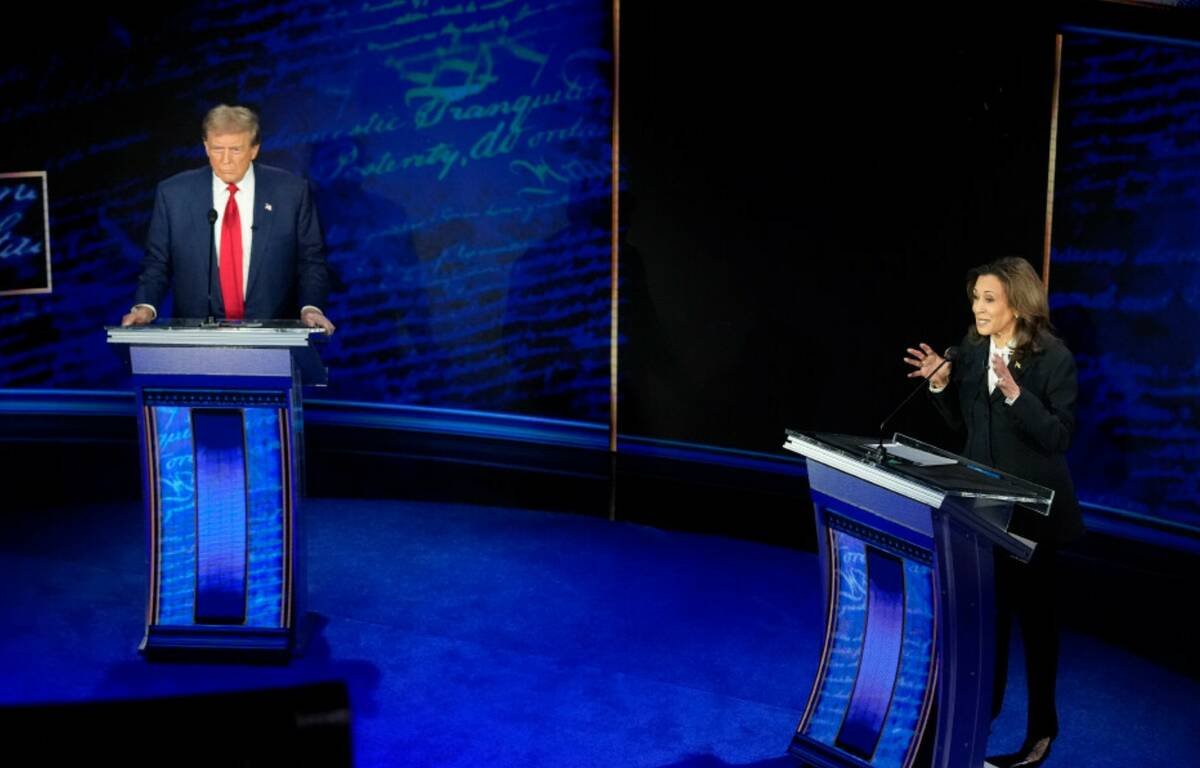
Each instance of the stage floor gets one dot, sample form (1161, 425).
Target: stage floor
(473, 635)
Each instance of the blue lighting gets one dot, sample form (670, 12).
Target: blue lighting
(267, 508)
(878, 670)
(1125, 277)
(916, 667)
(176, 515)
(882, 637)
(221, 516)
(460, 156)
(845, 651)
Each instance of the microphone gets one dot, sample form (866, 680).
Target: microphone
(212, 256)
(950, 355)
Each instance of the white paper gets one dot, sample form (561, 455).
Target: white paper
(915, 455)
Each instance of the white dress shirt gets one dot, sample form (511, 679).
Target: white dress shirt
(245, 204)
(992, 379)
(1006, 353)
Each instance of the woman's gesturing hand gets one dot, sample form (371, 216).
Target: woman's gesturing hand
(926, 361)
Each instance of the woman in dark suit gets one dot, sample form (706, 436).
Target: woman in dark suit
(1013, 388)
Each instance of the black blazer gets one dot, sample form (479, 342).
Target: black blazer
(1029, 438)
(287, 255)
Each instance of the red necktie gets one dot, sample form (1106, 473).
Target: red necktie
(231, 259)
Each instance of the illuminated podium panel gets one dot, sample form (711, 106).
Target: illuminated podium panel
(906, 538)
(221, 431)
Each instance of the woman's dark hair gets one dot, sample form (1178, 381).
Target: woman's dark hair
(1026, 295)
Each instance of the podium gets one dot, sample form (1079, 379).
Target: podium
(907, 537)
(222, 450)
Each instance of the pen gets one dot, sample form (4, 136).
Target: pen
(982, 471)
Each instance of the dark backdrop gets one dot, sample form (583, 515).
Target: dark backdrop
(805, 195)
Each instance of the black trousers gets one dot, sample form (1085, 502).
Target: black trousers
(1027, 591)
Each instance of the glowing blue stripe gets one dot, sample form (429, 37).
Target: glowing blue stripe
(1138, 36)
(265, 473)
(176, 515)
(880, 662)
(221, 517)
(83, 402)
(916, 661)
(845, 648)
(532, 429)
(1149, 520)
(908, 682)
(527, 429)
(449, 421)
(711, 454)
(1131, 525)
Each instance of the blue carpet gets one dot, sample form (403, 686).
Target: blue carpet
(474, 635)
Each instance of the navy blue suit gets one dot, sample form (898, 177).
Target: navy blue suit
(287, 252)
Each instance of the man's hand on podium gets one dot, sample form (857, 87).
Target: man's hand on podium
(139, 315)
(314, 318)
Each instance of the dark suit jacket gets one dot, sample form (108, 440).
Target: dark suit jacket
(1029, 438)
(287, 253)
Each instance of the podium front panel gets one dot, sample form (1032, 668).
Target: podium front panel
(877, 677)
(220, 483)
(221, 421)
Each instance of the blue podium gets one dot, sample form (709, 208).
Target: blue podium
(222, 448)
(907, 538)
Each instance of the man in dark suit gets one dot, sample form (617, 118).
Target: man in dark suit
(269, 260)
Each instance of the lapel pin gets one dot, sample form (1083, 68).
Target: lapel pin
(267, 206)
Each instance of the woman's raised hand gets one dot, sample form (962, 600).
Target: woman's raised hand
(926, 361)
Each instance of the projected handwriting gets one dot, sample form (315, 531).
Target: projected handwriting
(450, 81)
(1125, 271)
(16, 245)
(458, 152)
(442, 156)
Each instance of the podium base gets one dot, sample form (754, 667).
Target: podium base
(226, 643)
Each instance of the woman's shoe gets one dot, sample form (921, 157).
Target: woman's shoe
(1032, 754)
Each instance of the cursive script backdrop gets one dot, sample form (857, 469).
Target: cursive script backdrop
(24, 252)
(1125, 269)
(460, 155)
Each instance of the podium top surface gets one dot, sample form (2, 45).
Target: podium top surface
(223, 349)
(223, 333)
(918, 470)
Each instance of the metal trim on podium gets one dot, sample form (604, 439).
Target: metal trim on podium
(907, 534)
(221, 428)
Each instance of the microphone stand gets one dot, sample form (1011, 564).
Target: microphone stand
(212, 256)
(879, 452)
